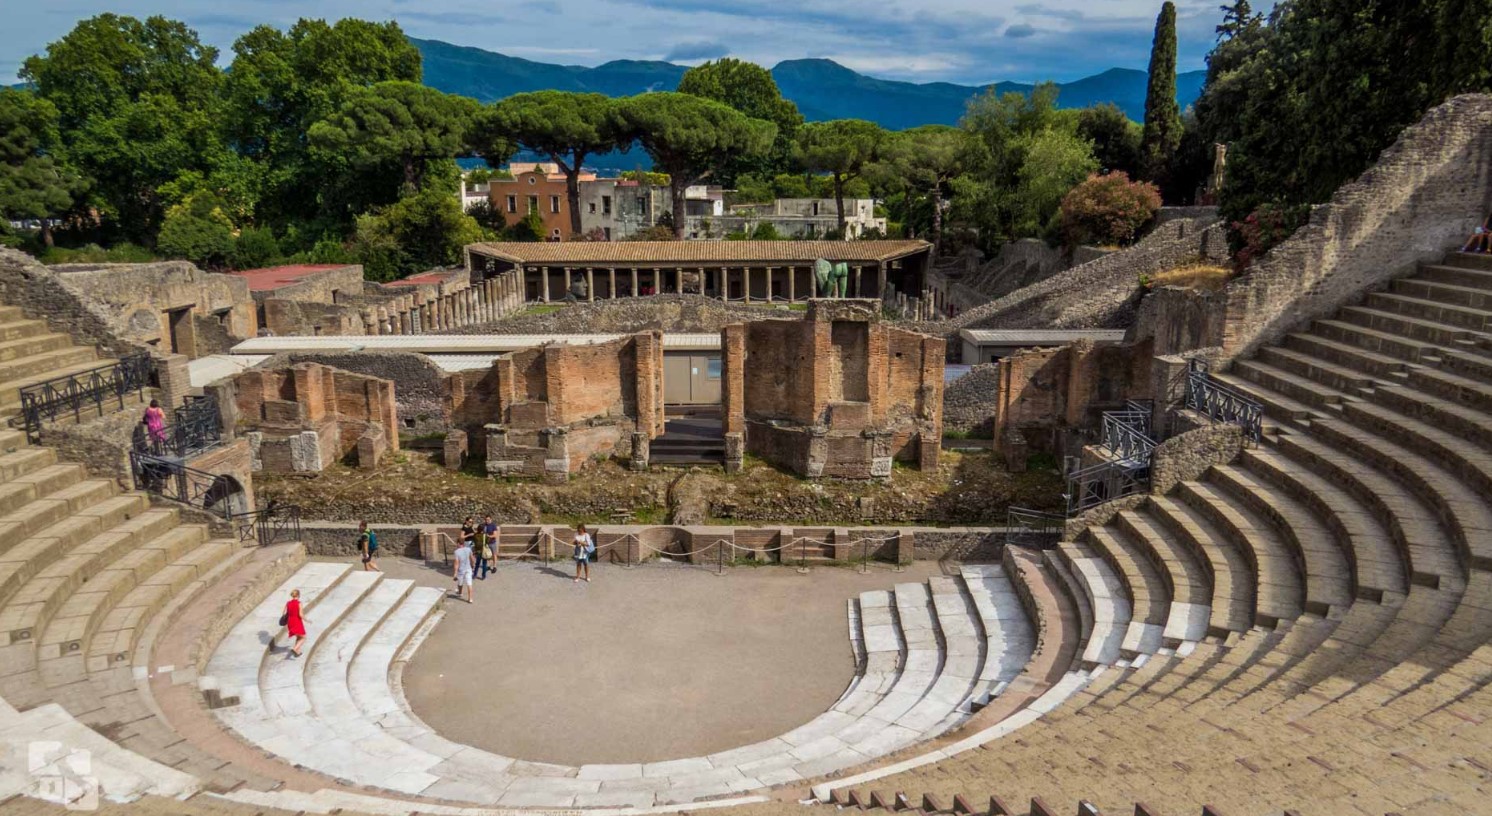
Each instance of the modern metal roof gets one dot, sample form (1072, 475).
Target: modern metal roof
(455, 344)
(646, 254)
(1039, 337)
(206, 370)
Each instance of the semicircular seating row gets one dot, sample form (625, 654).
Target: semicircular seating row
(1342, 571)
(927, 653)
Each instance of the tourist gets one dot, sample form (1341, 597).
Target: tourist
(584, 546)
(367, 544)
(488, 535)
(462, 567)
(155, 422)
(1481, 240)
(294, 624)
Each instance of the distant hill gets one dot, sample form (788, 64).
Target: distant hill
(822, 89)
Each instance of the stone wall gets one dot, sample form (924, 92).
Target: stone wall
(1043, 391)
(969, 401)
(420, 389)
(837, 394)
(140, 300)
(667, 313)
(1425, 194)
(547, 411)
(1100, 294)
(304, 417)
(40, 292)
(1190, 453)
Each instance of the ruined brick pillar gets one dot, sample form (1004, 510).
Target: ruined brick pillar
(733, 378)
(557, 458)
(641, 451)
(455, 449)
(404, 322)
(817, 454)
(735, 452)
(370, 322)
(175, 378)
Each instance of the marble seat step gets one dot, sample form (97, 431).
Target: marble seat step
(24, 489)
(1229, 575)
(1108, 600)
(1292, 385)
(1381, 366)
(282, 685)
(1341, 377)
(1409, 326)
(25, 460)
(1453, 386)
(1186, 582)
(1009, 639)
(118, 633)
(1274, 572)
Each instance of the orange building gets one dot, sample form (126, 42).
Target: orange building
(536, 186)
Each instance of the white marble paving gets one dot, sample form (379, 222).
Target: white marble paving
(923, 652)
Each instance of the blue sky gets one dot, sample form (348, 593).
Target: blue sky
(967, 41)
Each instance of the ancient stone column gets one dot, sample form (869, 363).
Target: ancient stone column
(724, 283)
(404, 323)
(678, 280)
(792, 284)
(369, 327)
(545, 272)
(858, 291)
(746, 282)
(881, 280)
(633, 292)
(590, 285)
(611, 291)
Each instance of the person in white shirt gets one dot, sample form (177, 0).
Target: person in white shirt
(462, 566)
(583, 545)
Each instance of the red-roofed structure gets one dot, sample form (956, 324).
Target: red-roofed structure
(271, 278)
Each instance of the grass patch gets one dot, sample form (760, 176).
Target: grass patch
(1203, 277)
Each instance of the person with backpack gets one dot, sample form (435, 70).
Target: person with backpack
(481, 550)
(367, 544)
(584, 546)
(487, 537)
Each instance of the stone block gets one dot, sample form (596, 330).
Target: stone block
(849, 416)
(305, 452)
(455, 449)
(529, 414)
(371, 447)
(735, 452)
(641, 450)
(282, 412)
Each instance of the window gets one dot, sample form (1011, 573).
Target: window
(554, 204)
(593, 208)
(605, 205)
(607, 232)
(512, 204)
(555, 236)
(642, 204)
(712, 368)
(533, 203)
(530, 179)
(815, 208)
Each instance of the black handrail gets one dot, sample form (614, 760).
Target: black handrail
(1205, 395)
(168, 477)
(1023, 525)
(198, 428)
(1091, 486)
(268, 525)
(48, 400)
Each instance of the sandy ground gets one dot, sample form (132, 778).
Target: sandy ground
(659, 662)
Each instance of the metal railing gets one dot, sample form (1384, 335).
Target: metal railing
(1126, 436)
(169, 478)
(1218, 402)
(89, 390)
(268, 525)
(198, 428)
(1033, 527)
(1091, 486)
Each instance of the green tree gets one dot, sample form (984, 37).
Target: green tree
(1238, 17)
(137, 104)
(33, 185)
(281, 83)
(1056, 162)
(1108, 209)
(750, 89)
(199, 231)
(690, 138)
(398, 122)
(842, 148)
(417, 232)
(1116, 140)
(566, 127)
(1162, 115)
(256, 247)
(926, 160)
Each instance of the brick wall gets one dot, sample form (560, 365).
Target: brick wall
(307, 415)
(139, 297)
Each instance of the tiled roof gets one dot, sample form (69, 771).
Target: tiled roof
(1041, 337)
(663, 253)
(263, 280)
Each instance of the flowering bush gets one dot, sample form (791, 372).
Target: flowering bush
(1262, 230)
(1108, 209)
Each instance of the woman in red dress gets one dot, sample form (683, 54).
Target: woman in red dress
(295, 625)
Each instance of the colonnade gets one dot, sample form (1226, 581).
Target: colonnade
(788, 283)
(417, 313)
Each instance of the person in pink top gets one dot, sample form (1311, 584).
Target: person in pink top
(155, 422)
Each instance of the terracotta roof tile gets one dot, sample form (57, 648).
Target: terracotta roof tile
(645, 253)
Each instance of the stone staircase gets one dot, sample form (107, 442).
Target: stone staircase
(928, 655)
(31, 353)
(1308, 626)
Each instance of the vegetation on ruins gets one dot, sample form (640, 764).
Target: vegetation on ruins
(841, 148)
(1108, 210)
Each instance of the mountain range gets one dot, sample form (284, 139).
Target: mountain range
(821, 88)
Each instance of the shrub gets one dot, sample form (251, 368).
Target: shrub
(1108, 209)
(197, 230)
(766, 231)
(256, 247)
(657, 232)
(1263, 229)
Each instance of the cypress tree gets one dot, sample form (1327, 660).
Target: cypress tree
(1162, 115)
